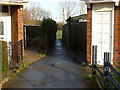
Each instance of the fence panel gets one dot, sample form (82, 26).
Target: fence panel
(31, 36)
(74, 35)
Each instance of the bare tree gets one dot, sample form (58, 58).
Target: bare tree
(37, 13)
(67, 8)
(27, 17)
(83, 7)
(33, 14)
(60, 24)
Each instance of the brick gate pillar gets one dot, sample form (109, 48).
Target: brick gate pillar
(17, 32)
(89, 34)
(116, 55)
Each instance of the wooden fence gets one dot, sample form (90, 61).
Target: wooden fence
(31, 34)
(74, 35)
(106, 76)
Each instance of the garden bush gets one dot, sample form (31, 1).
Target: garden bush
(49, 28)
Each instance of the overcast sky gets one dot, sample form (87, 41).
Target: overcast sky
(53, 7)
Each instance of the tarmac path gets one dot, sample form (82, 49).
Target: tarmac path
(57, 70)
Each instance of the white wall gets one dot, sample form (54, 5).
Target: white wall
(6, 18)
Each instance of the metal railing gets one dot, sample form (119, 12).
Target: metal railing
(107, 76)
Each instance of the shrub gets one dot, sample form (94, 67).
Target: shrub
(49, 28)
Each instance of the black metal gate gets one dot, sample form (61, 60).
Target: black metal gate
(107, 76)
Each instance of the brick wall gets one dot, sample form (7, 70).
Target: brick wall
(89, 33)
(116, 58)
(17, 32)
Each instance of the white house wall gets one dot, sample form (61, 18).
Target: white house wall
(6, 18)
